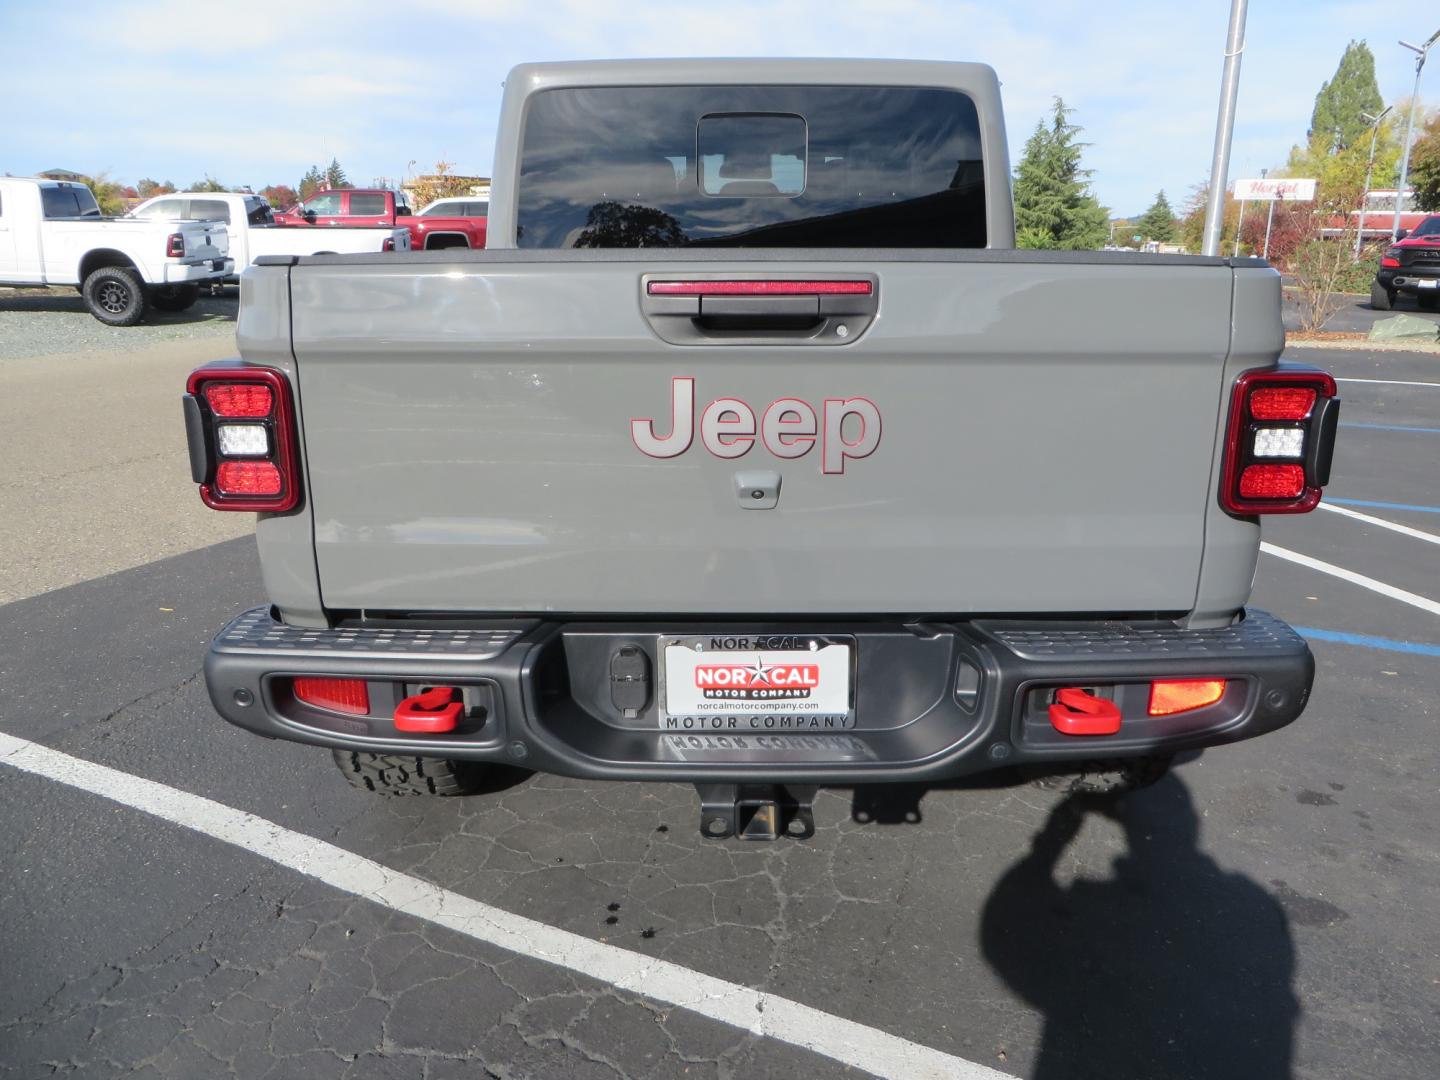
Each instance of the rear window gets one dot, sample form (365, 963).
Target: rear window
(767, 166)
(367, 205)
(258, 212)
(71, 200)
(210, 210)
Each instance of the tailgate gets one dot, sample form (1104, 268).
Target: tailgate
(1003, 436)
(205, 240)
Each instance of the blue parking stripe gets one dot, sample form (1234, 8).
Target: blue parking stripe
(1412, 507)
(1365, 641)
(1391, 427)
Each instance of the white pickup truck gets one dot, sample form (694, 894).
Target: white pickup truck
(254, 232)
(51, 233)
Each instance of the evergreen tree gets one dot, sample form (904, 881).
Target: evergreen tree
(1053, 204)
(1336, 122)
(311, 182)
(335, 176)
(1157, 223)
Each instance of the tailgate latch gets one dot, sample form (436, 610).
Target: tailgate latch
(1076, 712)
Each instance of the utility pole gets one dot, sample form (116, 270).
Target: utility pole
(1369, 171)
(1224, 129)
(1420, 51)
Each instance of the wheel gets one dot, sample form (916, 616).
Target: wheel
(174, 297)
(1108, 776)
(1381, 298)
(401, 774)
(1428, 301)
(115, 295)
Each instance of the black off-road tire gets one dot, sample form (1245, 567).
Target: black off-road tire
(115, 295)
(1381, 298)
(174, 297)
(1428, 301)
(1108, 776)
(402, 774)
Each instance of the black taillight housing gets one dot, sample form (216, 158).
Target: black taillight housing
(175, 246)
(1279, 440)
(240, 426)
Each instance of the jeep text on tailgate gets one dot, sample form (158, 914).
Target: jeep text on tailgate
(752, 455)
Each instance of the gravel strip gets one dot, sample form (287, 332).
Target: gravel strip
(41, 322)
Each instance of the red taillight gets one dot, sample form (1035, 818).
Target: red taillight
(1272, 482)
(1282, 402)
(175, 246)
(759, 288)
(1170, 696)
(1278, 442)
(1390, 262)
(239, 399)
(340, 695)
(248, 479)
(249, 466)
(388, 244)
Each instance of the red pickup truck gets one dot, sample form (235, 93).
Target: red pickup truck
(376, 206)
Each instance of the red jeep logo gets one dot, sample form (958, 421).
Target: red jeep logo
(788, 427)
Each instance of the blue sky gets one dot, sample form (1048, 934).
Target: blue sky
(253, 93)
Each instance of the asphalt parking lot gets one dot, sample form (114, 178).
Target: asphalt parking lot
(1268, 910)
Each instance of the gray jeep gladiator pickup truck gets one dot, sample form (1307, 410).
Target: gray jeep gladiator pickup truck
(752, 455)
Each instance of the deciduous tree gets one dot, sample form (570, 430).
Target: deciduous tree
(1054, 207)
(148, 188)
(280, 196)
(1425, 165)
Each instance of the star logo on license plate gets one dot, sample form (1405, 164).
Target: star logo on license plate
(759, 674)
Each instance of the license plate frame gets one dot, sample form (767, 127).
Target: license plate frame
(1428, 283)
(794, 683)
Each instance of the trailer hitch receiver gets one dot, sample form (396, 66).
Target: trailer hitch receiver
(756, 811)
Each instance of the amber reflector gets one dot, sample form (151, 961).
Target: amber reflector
(1168, 696)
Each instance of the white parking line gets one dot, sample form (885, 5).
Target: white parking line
(1424, 603)
(842, 1040)
(1393, 526)
(1391, 382)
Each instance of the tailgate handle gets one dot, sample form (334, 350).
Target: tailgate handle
(720, 310)
(1075, 712)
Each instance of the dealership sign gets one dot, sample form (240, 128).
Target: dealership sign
(1281, 190)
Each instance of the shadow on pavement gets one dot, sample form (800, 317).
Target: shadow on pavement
(1173, 967)
(206, 309)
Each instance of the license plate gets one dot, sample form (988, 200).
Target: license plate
(757, 684)
(1433, 283)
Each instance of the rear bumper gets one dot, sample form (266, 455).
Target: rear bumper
(1410, 279)
(179, 273)
(931, 700)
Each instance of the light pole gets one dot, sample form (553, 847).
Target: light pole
(1369, 170)
(1420, 52)
(1224, 127)
(1269, 219)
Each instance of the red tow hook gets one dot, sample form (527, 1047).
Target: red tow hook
(1077, 713)
(431, 712)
